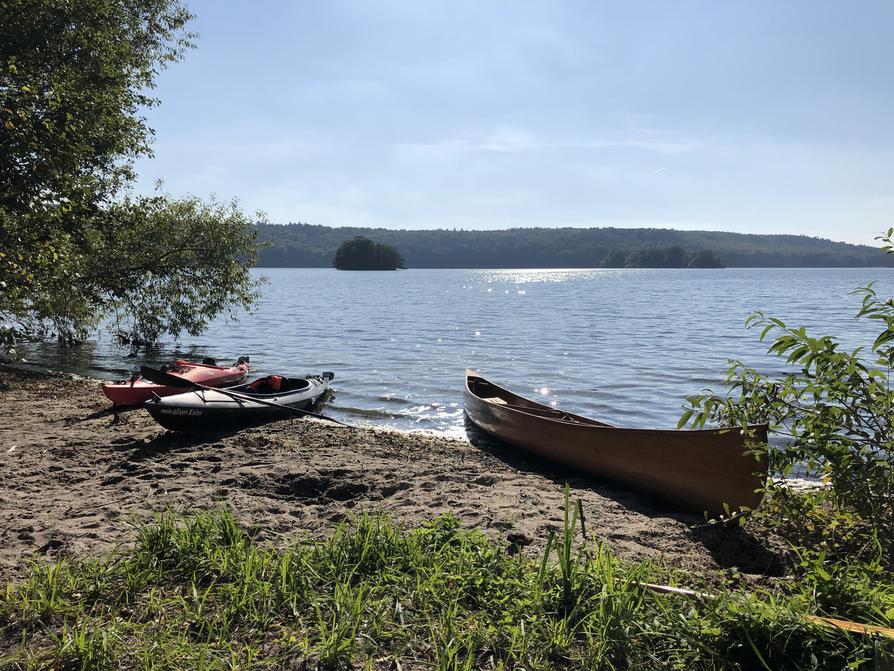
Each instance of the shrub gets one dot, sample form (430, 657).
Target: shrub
(834, 412)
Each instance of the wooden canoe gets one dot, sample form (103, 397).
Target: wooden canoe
(695, 470)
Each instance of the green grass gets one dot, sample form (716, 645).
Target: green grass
(201, 593)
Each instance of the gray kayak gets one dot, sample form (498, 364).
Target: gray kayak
(207, 409)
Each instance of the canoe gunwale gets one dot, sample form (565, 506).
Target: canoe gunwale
(592, 423)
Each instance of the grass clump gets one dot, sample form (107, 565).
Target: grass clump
(202, 593)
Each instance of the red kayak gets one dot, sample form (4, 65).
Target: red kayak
(137, 391)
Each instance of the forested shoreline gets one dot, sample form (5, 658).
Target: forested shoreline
(304, 245)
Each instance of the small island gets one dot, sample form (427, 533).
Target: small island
(364, 254)
(663, 257)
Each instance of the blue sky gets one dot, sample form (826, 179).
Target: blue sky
(750, 116)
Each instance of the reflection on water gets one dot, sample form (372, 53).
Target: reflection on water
(521, 277)
(622, 345)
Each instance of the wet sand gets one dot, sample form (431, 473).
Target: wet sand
(74, 475)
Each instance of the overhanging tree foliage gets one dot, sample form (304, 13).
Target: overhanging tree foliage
(75, 248)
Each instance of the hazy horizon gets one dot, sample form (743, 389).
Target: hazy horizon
(758, 118)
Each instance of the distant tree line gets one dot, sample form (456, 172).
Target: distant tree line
(303, 245)
(361, 253)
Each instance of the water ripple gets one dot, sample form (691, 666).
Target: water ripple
(623, 345)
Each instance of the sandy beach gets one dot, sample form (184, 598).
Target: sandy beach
(74, 475)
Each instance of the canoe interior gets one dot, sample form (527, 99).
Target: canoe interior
(289, 385)
(490, 392)
(695, 470)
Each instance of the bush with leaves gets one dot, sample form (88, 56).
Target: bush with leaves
(834, 414)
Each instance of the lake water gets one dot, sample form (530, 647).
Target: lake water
(624, 346)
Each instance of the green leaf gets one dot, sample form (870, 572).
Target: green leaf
(885, 336)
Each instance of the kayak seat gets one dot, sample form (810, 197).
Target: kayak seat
(272, 384)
